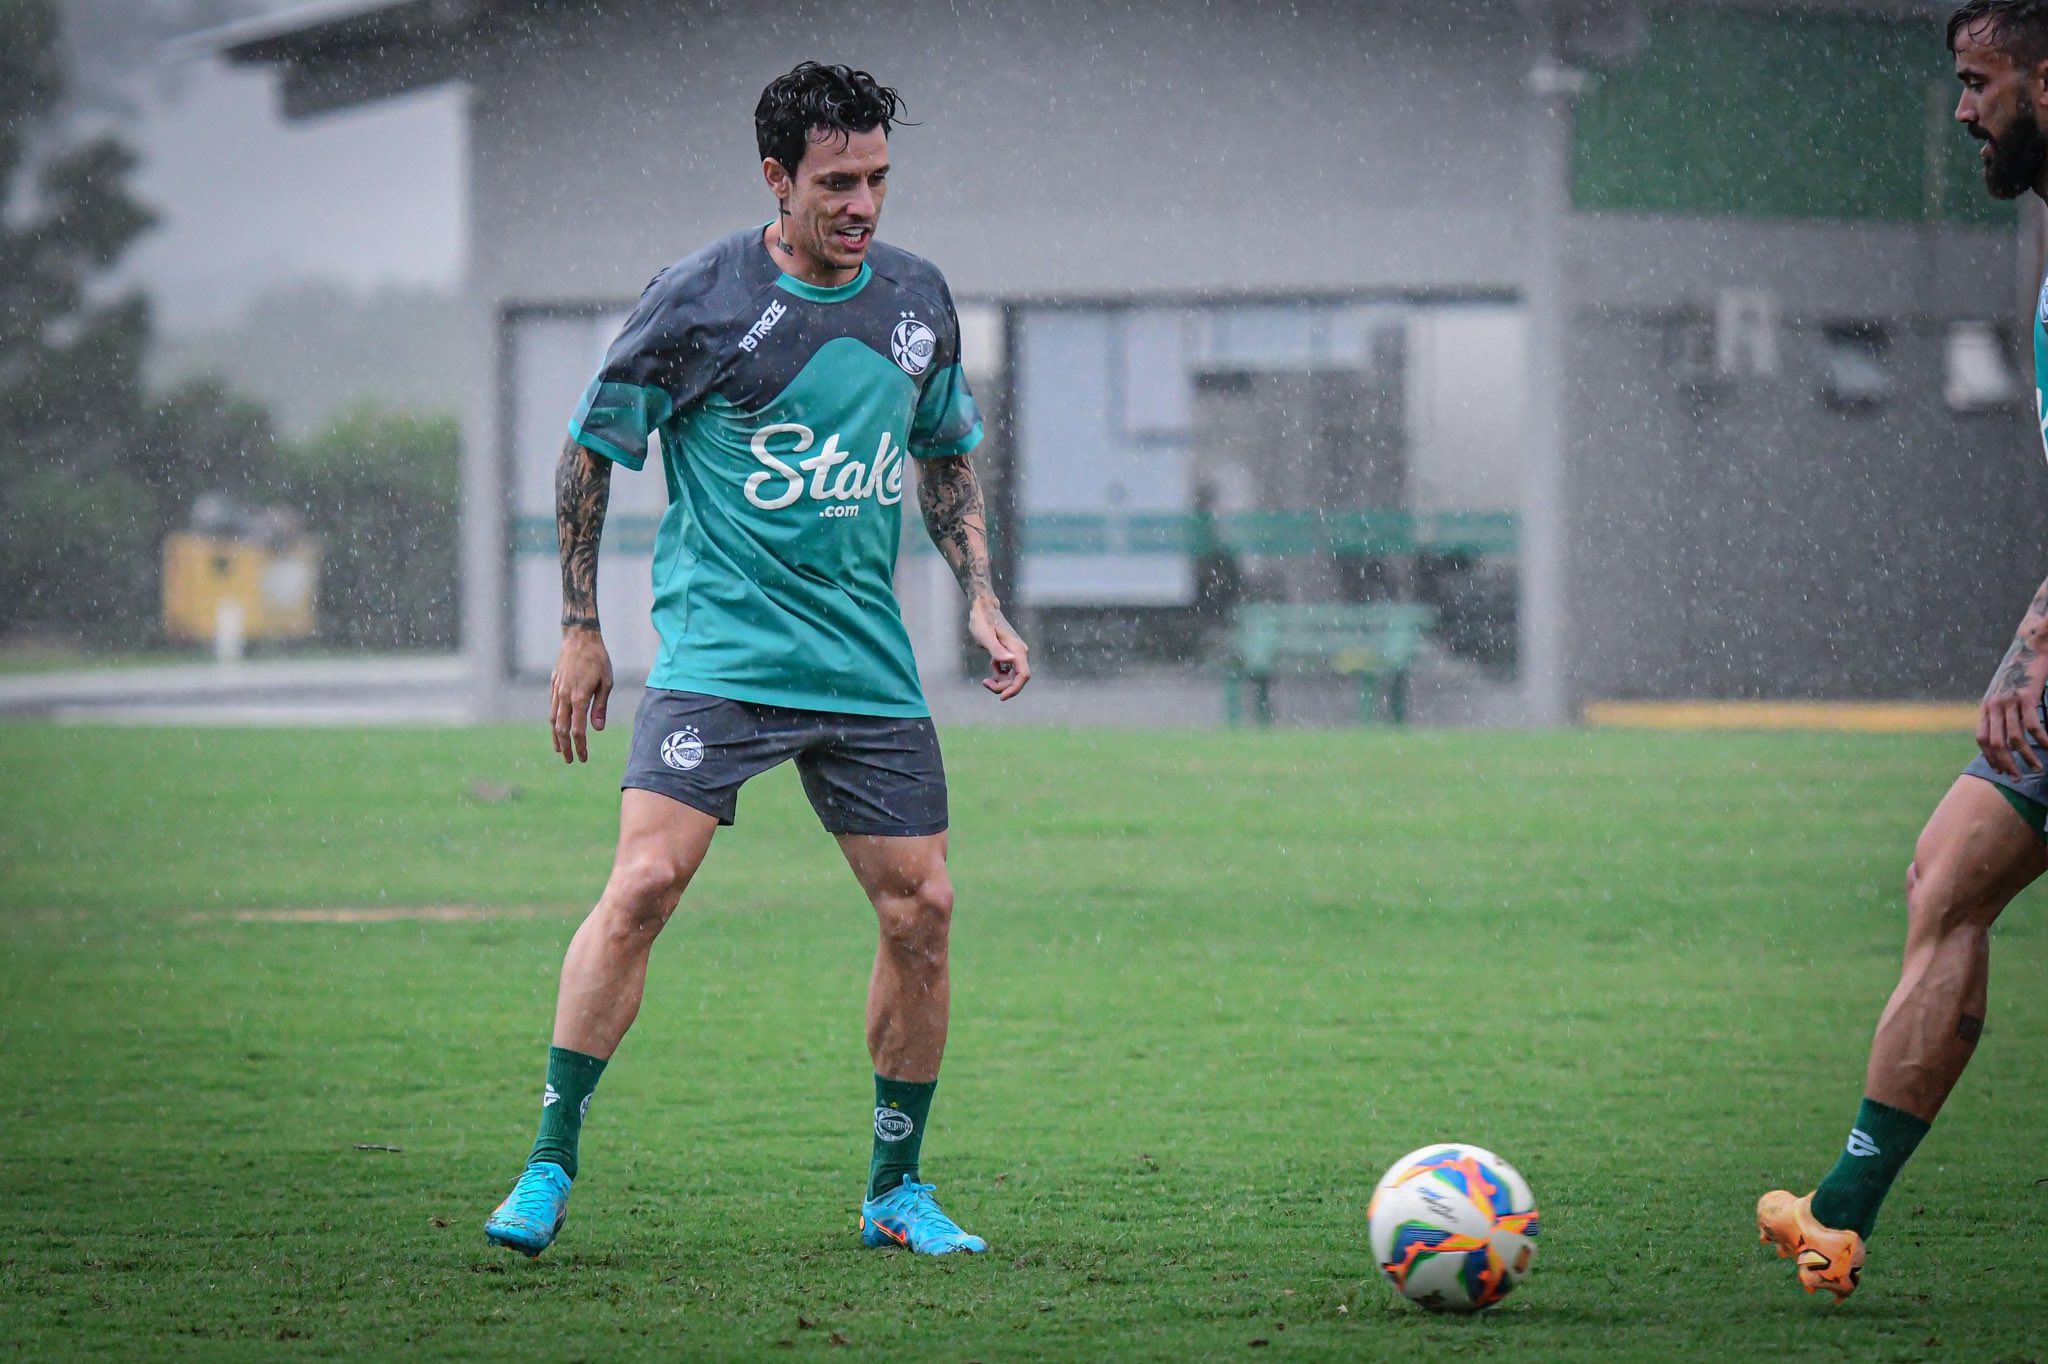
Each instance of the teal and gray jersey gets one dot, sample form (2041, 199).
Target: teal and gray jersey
(2041, 364)
(785, 413)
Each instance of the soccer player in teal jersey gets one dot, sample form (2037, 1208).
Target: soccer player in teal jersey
(793, 372)
(1984, 843)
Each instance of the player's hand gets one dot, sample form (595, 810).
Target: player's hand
(1009, 665)
(2011, 712)
(578, 691)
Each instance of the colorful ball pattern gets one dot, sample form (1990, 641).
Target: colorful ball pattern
(1453, 1227)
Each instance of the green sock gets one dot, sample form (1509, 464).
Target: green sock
(900, 1109)
(1884, 1138)
(572, 1077)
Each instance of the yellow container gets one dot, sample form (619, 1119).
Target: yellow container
(272, 588)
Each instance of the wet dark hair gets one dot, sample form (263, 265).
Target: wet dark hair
(2018, 27)
(815, 98)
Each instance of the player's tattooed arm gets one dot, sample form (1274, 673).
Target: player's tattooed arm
(2010, 724)
(581, 686)
(950, 497)
(2012, 669)
(2028, 643)
(583, 489)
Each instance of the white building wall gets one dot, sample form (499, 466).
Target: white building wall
(1058, 148)
(1066, 148)
(1061, 147)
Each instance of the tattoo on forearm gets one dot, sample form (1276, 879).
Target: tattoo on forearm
(1969, 1028)
(583, 489)
(950, 497)
(2025, 653)
(2012, 669)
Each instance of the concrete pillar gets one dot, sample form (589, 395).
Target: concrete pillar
(484, 521)
(1544, 607)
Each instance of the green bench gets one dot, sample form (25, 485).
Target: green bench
(1376, 642)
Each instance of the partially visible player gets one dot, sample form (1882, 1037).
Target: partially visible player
(793, 370)
(1984, 843)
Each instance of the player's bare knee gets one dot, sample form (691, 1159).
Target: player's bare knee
(917, 922)
(1940, 903)
(643, 892)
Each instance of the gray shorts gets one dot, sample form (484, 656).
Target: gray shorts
(2032, 782)
(865, 774)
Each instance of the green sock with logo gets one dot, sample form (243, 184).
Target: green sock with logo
(572, 1077)
(1883, 1140)
(900, 1109)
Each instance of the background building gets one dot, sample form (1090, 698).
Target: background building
(1683, 334)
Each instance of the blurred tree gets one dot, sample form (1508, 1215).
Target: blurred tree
(201, 438)
(380, 490)
(71, 394)
(79, 553)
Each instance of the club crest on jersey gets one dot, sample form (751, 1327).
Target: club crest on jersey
(683, 750)
(835, 477)
(912, 346)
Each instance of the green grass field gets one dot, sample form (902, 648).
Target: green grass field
(1207, 986)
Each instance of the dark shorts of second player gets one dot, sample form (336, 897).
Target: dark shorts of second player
(2031, 786)
(864, 774)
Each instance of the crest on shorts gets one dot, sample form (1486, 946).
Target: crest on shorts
(683, 750)
(912, 346)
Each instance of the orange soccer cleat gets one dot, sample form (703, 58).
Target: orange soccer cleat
(1828, 1258)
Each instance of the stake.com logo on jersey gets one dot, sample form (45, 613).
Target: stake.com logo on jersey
(851, 481)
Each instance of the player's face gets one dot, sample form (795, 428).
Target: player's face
(832, 203)
(1999, 105)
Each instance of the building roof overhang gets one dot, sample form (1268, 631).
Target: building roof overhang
(334, 54)
(338, 53)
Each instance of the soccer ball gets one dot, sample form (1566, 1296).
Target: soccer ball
(1453, 1227)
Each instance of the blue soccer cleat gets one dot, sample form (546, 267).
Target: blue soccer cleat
(910, 1217)
(533, 1212)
